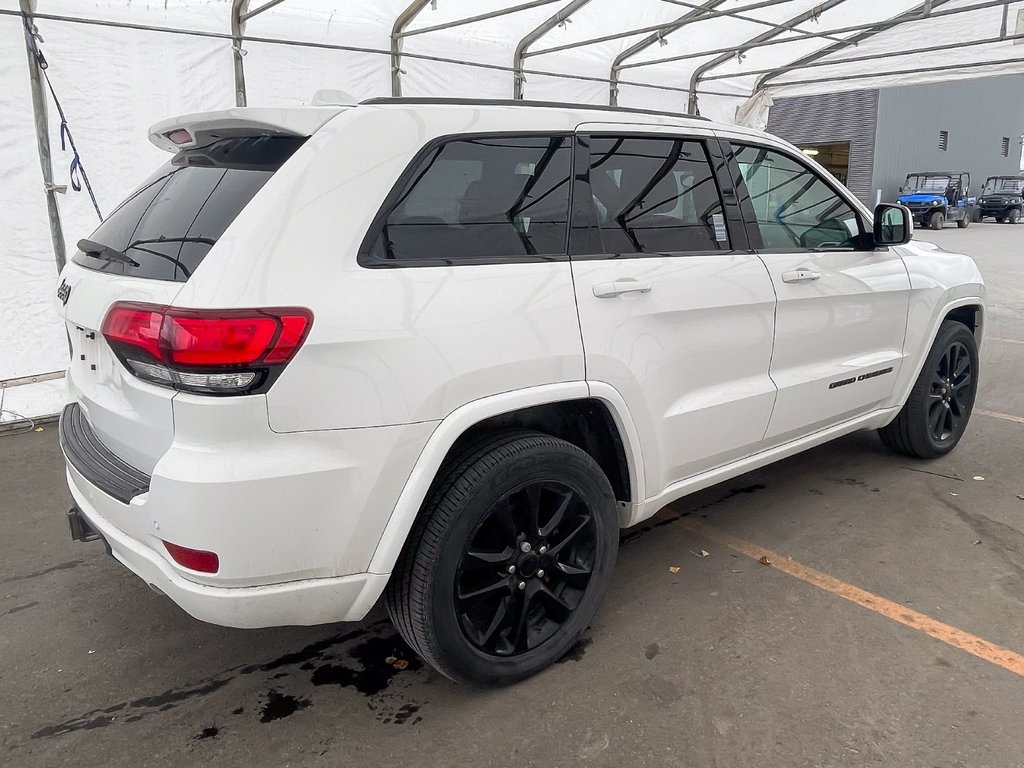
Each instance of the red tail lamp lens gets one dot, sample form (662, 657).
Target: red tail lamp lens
(200, 340)
(135, 325)
(193, 559)
(219, 351)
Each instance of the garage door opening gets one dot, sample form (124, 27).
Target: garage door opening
(835, 157)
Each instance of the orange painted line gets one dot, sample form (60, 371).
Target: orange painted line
(901, 614)
(1003, 416)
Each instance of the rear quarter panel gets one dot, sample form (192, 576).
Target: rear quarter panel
(388, 346)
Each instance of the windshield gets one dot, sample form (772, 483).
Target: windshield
(1012, 185)
(164, 230)
(932, 184)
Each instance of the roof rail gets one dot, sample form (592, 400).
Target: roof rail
(524, 103)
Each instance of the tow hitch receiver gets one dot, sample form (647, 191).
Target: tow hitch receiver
(80, 528)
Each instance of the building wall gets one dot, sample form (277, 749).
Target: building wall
(976, 113)
(831, 117)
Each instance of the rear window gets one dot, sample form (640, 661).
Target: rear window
(167, 226)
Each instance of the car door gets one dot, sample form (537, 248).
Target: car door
(842, 303)
(676, 312)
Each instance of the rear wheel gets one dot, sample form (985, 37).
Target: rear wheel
(936, 414)
(977, 214)
(509, 560)
(965, 222)
(1013, 216)
(937, 220)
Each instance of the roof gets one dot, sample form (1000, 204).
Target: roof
(519, 103)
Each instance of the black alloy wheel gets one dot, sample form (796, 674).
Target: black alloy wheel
(934, 418)
(509, 559)
(525, 568)
(952, 392)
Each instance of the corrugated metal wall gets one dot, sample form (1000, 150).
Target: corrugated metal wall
(830, 117)
(978, 114)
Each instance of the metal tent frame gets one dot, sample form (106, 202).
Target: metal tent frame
(834, 39)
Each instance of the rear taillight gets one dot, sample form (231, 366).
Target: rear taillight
(224, 352)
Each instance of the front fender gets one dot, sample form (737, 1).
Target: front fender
(941, 281)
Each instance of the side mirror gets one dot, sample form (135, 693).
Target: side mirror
(894, 224)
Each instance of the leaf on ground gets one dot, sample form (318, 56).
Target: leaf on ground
(400, 664)
(673, 569)
(977, 541)
(978, 477)
(39, 429)
(763, 560)
(704, 553)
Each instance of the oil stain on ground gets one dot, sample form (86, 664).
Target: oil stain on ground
(370, 667)
(281, 705)
(577, 652)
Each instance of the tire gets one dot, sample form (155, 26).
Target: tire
(977, 214)
(935, 416)
(452, 595)
(1000, 219)
(1013, 216)
(965, 222)
(936, 220)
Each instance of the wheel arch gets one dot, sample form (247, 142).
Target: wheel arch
(549, 409)
(969, 310)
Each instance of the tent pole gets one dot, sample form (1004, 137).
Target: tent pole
(753, 42)
(403, 20)
(239, 9)
(696, 14)
(869, 57)
(644, 30)
(875, 26)
(28, 8)
(518, 78)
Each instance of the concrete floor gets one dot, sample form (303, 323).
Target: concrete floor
(725, 663)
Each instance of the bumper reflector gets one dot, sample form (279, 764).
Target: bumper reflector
(193, 559)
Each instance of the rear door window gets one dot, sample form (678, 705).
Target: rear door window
(476, 200)
(655, 195)
(167, 226)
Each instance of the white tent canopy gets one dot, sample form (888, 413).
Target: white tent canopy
(118, 67)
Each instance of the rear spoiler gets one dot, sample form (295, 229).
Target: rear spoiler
(201, 128)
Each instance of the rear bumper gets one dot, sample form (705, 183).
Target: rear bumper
(294, 518)
(305, 602)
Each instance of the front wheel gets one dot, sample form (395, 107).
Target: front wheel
(937, 220)
(936, 414)
(1013, 216)
(1000, 219)
(509, 560)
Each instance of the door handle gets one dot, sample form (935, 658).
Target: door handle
(800, 276)
(619, 287)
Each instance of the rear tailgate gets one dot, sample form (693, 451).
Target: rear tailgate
(149, 247)
(129, 416)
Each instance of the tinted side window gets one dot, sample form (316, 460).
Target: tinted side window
(655, 195)
(187, 204)
(480, 199)
(794, 208)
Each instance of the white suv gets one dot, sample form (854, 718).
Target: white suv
(442, 351)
